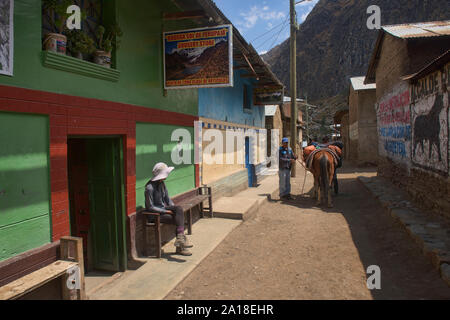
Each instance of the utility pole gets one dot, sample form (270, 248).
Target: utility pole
(293, 81)
(307, 120)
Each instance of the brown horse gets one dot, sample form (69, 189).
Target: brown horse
(323, 171)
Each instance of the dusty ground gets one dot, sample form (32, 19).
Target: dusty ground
(295, 250)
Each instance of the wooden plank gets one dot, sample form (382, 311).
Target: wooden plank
(198, 14)
(36, 279)
(27, 262)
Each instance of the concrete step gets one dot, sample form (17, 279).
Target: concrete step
(244, 205)
(239, 208)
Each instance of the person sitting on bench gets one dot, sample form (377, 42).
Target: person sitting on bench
(157, 200)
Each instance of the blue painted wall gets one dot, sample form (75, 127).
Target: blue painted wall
(226, 104)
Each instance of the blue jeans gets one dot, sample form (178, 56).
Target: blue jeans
(285, 182)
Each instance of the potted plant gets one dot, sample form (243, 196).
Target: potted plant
(106, 42)
(57, 10)
(79, 43)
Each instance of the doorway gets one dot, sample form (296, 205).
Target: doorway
(96, 197)
(250, 167)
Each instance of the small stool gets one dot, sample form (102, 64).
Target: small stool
(157, 226)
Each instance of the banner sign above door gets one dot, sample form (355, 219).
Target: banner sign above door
(198, 58)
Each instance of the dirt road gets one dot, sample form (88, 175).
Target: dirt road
(296, 250)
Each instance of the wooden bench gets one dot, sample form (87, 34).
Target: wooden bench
(187, 201)
(71, 254)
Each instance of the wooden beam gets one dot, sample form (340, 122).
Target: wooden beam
(250, 65)
(241, 68)
(198, 14)
(249, 75)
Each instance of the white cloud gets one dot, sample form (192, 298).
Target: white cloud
(262, 52)
(256, 13)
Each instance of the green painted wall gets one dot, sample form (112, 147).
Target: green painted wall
(24, 183)
(153, 145)
(139, 59)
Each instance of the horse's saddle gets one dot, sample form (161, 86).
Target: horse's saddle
(335, 153)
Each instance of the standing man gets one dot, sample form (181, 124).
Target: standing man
(287, 159)
(157, 200)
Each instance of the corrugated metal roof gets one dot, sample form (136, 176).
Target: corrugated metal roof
(419, 30)
(358, 84)
(270, 110)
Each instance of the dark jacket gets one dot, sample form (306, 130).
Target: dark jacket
(286, 155)
(157, 197)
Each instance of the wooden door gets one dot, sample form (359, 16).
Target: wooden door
(103, 157)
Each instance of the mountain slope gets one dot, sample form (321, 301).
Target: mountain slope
(334, 44)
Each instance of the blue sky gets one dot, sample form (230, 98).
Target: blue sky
(263, 23)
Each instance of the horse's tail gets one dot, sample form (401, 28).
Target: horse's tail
(324, 174)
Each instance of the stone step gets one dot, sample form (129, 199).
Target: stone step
(430, 232)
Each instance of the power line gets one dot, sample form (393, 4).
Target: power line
(270, 30)
(276, 37)
(282, 28)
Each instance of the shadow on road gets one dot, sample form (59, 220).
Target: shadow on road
(405, 272)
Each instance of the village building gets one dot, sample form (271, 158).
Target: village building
(237, 109)
(412, 111)
(362, 122)
(78, 140)
(273, 121)
(341, 118)
(286, 119)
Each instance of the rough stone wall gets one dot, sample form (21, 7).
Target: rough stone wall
(353, 124)
(392, 64)
(345, 136)
(367, 127)
(413, 128)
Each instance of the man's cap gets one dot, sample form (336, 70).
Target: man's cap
(161, 171)
(284, 140)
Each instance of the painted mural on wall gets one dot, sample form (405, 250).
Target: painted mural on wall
(198, 58)
(6, 36)
(430, 123)
(394, 124)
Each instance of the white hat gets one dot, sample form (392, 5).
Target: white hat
(161, 171)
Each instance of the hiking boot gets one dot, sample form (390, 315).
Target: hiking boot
(183, 251)
(180, 241)
(187, 243)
